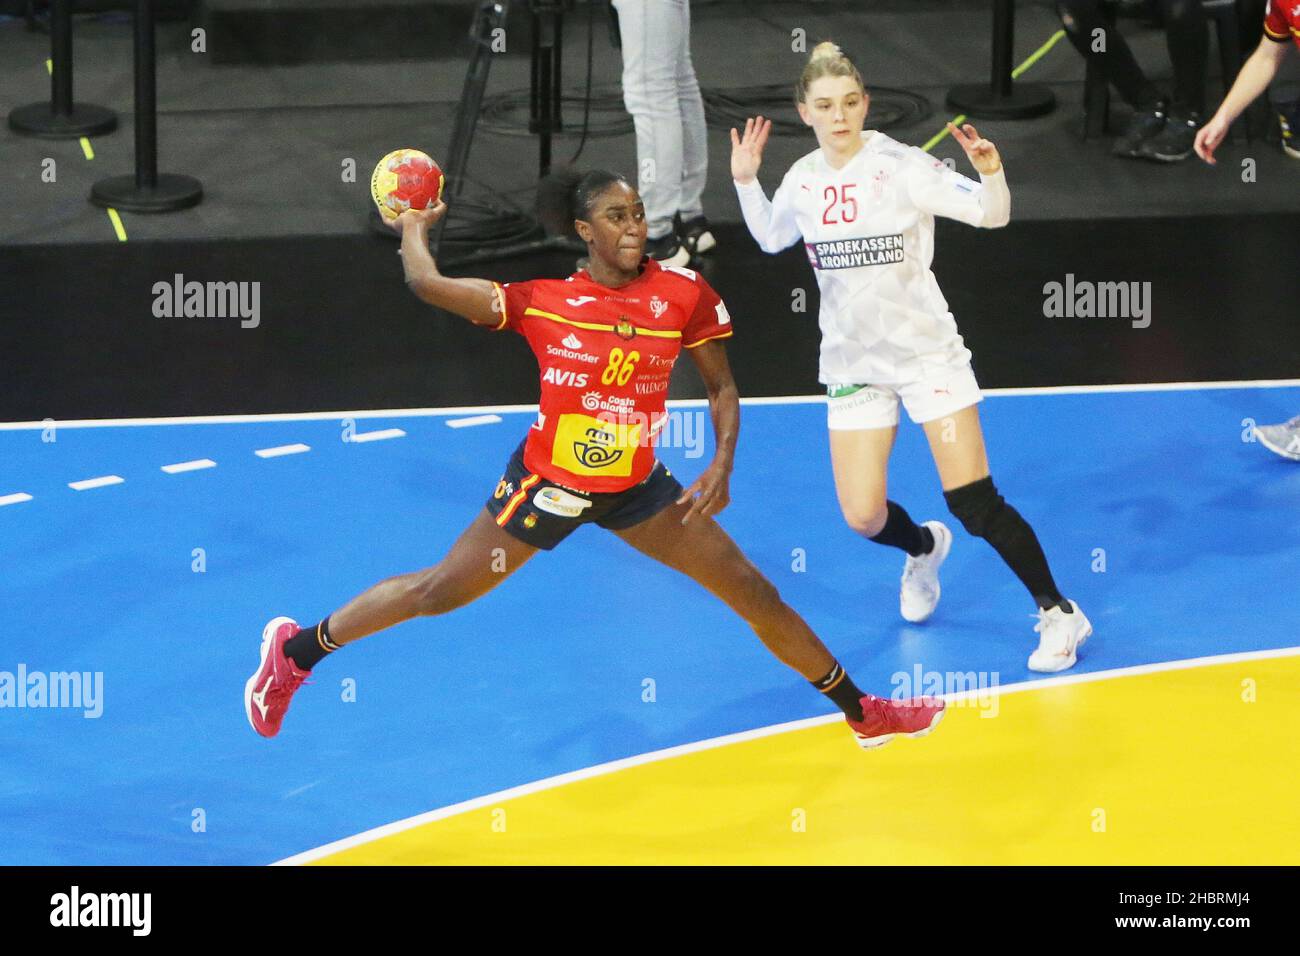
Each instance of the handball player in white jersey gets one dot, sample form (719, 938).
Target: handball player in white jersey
(864, 206)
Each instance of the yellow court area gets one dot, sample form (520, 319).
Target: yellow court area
(1189, 766)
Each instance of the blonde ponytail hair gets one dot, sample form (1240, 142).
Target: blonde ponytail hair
(826, 59)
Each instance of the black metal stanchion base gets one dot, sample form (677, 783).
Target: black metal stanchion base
(980, 101)
(40, 119)
(170, 192)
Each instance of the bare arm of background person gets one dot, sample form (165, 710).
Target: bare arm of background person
(1251, 82)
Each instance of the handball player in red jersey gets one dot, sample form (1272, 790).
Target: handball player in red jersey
(606, 340)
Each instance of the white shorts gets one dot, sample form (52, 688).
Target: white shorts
(851, 407)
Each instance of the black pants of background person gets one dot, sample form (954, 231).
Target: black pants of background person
(1185, 34)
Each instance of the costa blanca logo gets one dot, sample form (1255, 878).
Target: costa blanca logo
(571, 342)
(618, 405)
(103, 909)
(209, 300)
(75, 690)
(658, 306)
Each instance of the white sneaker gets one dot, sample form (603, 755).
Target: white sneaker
(1281, 439)
(919, 595)
(1060, 637)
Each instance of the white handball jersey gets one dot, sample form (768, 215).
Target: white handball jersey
(869, 232)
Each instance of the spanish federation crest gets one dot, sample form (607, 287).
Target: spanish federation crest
(624, 328)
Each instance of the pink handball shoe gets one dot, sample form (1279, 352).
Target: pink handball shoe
(884, 719)
(272, 686)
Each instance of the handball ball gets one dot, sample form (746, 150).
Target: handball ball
(405, 179)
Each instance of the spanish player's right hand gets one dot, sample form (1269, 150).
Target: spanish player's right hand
(418, 217)
(747, 149)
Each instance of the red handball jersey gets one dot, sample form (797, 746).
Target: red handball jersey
(605, 356)
(1282, 21)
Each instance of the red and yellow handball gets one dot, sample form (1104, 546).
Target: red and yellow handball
(406, 179)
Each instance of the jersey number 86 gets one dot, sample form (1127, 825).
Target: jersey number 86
(620, 367)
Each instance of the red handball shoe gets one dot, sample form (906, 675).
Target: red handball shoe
(269, 690)
(883, 719)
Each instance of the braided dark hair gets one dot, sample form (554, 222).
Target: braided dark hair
(566, 194)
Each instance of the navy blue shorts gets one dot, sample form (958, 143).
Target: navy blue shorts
(542, 513)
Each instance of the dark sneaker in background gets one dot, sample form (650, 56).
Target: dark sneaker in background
(668, 250)
(1175, 142)
(1142, 126)
(694, 234)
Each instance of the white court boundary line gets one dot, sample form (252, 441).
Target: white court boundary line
(473, 420)
(672, 403)
(184, 467)
(654, 756)
(279, 451)
(384, 434)
(89, 484)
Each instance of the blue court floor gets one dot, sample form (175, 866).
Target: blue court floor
(1175, 535)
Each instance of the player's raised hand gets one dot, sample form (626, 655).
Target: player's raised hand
(1208, 138)
(981, 152)
(418, 217)
(747, 149)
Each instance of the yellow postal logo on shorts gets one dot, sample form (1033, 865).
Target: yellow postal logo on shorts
(557, 501)
(589, 446)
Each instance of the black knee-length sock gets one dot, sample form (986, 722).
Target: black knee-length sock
(985, 513)
(900, 531)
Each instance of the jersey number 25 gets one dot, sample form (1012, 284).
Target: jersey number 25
(838, 201)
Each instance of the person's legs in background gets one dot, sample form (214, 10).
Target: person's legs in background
(691, 226)
(652, 36)
(1188, 37)
(1105, 46)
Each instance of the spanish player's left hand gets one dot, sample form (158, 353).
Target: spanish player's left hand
(709, 493)
(982, 154)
